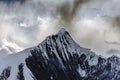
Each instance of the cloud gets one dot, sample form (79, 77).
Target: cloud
(111, 51)
(68, 10)
(91, 25)
(10, 46)
(12, 1)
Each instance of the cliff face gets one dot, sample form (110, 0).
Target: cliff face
(58, 57)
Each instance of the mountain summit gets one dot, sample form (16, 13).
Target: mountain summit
(59, 57)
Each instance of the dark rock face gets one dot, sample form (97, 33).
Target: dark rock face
(44, 69)
(20, 73)
(49, 67)
(5, 74)
(60, 58)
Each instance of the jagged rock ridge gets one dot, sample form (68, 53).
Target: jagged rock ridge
(59, 57)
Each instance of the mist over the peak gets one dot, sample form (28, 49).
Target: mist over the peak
(92, 23)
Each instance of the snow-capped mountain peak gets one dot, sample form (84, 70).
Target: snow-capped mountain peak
(59, 57)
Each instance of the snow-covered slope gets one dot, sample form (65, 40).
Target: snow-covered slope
(58, 57)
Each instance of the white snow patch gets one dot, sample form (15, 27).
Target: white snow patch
(81, 72)
(27, 73)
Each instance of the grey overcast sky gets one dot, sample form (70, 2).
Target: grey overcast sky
(93, 24)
